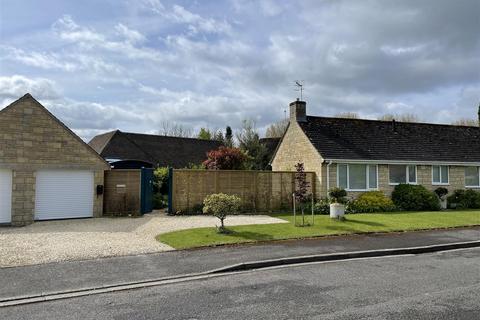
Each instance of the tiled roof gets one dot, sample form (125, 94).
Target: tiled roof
(356, 139)
(158, 150)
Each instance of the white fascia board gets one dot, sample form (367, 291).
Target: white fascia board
(411, 162)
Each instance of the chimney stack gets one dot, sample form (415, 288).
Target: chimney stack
(298, 111)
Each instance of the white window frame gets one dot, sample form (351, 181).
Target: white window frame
(407, 175)
(367, 176)
(440, 183)
(465, 177)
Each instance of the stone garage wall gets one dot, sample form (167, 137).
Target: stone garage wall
(31, 138)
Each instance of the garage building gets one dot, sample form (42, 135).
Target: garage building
(46, 170)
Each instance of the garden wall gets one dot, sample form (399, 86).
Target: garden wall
(260, 191)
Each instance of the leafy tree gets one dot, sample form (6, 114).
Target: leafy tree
(218, 136)
(249, 142)
(225, 158)
(204, 134)
(228, 137)
(277, 129)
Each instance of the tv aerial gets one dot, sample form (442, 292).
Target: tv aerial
(299, 84)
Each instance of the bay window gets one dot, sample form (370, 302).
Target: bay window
(440, 175)
(472, 176)
(402, 174)
(357, 177)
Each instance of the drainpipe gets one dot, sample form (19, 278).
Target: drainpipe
(328, 176)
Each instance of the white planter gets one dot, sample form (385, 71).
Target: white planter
(443, 204)
(337, 210)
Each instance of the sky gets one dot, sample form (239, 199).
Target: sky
(136, 65)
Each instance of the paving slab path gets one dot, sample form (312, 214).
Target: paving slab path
(36, 279)
(80, 239)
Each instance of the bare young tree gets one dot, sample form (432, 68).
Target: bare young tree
(277, 129)
(405, 117)
(465, 122)
(347, 115)
(175, 130)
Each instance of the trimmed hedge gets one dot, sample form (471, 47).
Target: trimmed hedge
(464, 199)
(369, 202)
(411, 197)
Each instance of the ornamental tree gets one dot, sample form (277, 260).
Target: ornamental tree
(225, 158)
(220, 205)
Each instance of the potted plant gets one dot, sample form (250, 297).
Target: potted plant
(442, 192)
(337, 206)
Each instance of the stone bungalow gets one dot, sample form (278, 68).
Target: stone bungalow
(46, 171)
(362, 155)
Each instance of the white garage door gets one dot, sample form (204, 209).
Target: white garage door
(63, 194)
(5, 196)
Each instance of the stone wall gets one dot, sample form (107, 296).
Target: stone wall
(424, 177)
(32, 139)
(294, 148)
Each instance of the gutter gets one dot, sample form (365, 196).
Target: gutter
(410, 162)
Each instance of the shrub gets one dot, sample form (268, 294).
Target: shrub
(321, 206)
(337, 195)
(160, 180)
(441, 192)
(225, 158)
(220, 205)
(464, 199)
(411, 197)
(160, 201)
(372, 201)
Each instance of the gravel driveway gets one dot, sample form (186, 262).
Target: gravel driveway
(51, 241)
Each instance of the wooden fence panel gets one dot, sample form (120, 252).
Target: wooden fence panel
(122, 192)
(260, 191)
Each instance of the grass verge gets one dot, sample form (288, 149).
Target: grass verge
(354, 223)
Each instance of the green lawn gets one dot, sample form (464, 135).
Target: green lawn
(354, 223)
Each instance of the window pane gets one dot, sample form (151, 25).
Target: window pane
(372, 177)
(397, 174)
(444, 174)
(471, 176)
(357, 176)
(342, 176)
(412, 174)
(436, 174)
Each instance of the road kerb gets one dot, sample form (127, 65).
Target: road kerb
(232, 269)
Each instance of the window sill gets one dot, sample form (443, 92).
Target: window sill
(396, 184)
(440, 184)
(360, 190)
(472, 187)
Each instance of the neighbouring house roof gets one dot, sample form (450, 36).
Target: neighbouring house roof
(356, 139)
(155, 149)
